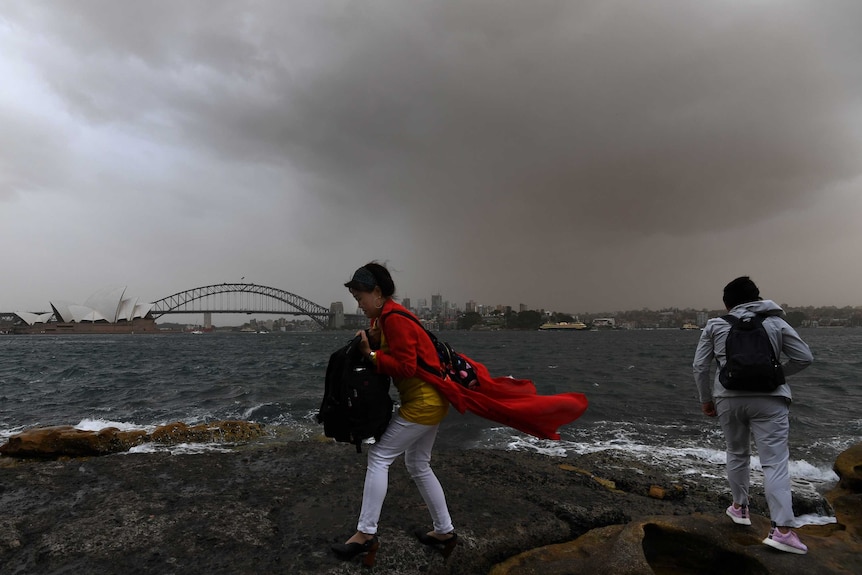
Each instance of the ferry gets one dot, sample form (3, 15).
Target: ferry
(564, 326)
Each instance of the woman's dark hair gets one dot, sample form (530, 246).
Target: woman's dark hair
(739, 291)
(362, 282)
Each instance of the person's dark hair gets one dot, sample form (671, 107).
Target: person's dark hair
(741, 290)
(370, 276)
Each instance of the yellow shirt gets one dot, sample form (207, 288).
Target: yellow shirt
(420, 401)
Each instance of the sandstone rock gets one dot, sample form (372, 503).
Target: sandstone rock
(707, 544)
(606, 483)
(672, 492)
(220, 431)
(848, 466)
(695, 544)
(846, 497)
(65, 440)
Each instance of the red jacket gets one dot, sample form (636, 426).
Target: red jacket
(405, 338)
(512, 402)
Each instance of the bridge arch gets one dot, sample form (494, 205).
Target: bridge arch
(240, 298)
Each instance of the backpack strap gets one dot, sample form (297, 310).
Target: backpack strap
(759, 318)
(730, 318)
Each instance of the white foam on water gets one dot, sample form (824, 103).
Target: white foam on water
(144, 448)
(811, 519)
(803, 470)
(800, 471)
(5, 434)
(707, 463)
(179, 448)
(543, 446)
(100, 424)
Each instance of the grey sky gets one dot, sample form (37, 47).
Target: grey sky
(575, 156)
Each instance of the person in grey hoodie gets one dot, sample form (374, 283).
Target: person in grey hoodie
(763, 415)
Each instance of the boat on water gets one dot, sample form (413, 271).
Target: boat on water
(564, 326)
(689, 325)
(601, 323)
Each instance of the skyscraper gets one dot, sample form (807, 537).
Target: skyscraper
(436, 304)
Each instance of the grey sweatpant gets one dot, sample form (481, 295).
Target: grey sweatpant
(765, 418)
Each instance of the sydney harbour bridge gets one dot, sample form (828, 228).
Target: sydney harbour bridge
(244, 298)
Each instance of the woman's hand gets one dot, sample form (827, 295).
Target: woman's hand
(374, 335)
(369, 339)
(364, 343)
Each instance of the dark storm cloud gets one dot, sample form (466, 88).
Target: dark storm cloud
(486, 131)
(630, 115)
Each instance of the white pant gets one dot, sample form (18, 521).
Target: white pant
(415, 441)
(765, 418)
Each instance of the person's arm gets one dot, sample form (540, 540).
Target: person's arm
(402, 337)
(797, 351)
(703, 358)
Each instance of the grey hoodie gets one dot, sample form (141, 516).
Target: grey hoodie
(784, 339)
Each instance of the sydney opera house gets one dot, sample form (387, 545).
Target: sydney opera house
(106, 311)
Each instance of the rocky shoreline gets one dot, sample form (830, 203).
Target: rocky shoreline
(274, 506)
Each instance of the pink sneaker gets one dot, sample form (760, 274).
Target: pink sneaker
(740, 515)
(785, 541)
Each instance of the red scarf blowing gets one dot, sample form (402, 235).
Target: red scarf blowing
(512, 402)
(509, 401)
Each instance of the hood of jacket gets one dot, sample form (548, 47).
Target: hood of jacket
(764, 306)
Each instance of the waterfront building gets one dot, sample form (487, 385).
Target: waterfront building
(106, 311)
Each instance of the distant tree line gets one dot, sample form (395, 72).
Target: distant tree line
(829, 316)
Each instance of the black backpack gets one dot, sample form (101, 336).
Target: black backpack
(356, 403)
(751, 364)
(455, 367)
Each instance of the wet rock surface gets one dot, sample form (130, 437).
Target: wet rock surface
(275, 507)
(68, 441)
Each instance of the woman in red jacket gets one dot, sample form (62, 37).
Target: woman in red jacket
(399, 342)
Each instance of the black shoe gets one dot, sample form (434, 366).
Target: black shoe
(348, 551)
(446, 546)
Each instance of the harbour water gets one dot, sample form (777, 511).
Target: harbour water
(639, 384)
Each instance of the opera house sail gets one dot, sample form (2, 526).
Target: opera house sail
(106, 311)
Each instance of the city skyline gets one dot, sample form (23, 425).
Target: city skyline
(422, 303)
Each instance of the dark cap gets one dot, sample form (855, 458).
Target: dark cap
(363, 280)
